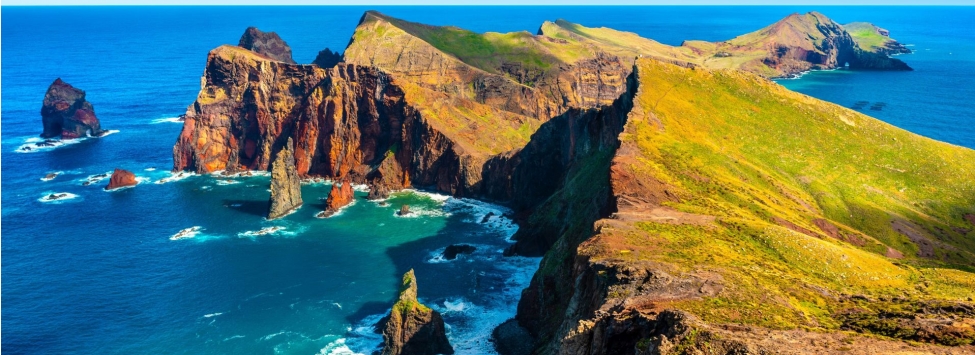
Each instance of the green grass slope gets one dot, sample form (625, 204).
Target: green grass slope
(795, 203)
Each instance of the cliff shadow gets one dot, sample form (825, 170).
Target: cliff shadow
(253, 207)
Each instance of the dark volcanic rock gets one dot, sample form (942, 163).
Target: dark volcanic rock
(285, 185)
(512, 339)
(450, 253)
(327, 59)
(404, 210)
(412, 328)
(121, 178)
(67, 114)
(268, 44)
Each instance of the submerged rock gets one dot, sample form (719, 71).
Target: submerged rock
(268, 44)
(451, 252)
(121, 178)
(404, 210)
(285, 185)
(412, 328)
(66, 114)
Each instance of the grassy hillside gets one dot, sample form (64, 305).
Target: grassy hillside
(794, 203)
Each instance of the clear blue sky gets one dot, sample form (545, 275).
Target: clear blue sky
(488, 2)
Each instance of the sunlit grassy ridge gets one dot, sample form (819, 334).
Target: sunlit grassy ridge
(769, 163)
(866, 35)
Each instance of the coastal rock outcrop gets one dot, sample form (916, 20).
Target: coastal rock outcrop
(267, 44)
(66, 114)
(339, 196)
(452, 251)
(327, 59)
(285, 184)
(412, 328)
(121, 178)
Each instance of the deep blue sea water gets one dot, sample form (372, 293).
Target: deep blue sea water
(98, 274)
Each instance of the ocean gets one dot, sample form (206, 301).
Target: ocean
(99, 273)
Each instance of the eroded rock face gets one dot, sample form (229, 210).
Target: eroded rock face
(121, 178)
(339, 196)
(285, 184)
(412, 328)
(67, 114)
(268, 44)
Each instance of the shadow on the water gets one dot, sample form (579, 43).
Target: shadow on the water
(253, 207)
(370, 308)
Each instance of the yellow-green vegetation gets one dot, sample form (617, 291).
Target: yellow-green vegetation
(488, 51)
(407, 296)
(478, 128)
(779, 171)
(866, 35)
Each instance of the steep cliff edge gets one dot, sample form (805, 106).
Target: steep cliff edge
(730, 230)
(66, 114)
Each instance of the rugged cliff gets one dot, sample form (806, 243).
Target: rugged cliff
(285, 185)
(268, 44)
(412, 328)
(727, 231)
(680, 208)
(66, 114)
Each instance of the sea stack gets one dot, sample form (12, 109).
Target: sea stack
(412, 328)
(285, 185)
(268, 44)
(340, 196)
(121, 178)
(66, 114)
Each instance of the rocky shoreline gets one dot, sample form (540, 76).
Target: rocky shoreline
(458, 127)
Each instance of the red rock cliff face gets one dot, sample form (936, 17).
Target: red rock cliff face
(347, 122)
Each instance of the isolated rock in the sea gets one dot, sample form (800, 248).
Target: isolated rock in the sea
(451, 252)
(268, 44)
(56, 196)
(327, 59)
(404, 210)
(339, 196)
(285, 184)
(50, 176)
(412, 328)
(121, 178)
(67, 114)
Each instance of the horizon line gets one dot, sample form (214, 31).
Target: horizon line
(843, 3)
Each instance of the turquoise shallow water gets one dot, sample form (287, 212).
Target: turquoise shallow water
(98, 274)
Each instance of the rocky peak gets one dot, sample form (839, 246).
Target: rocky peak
(285, 185)
(412, 328)
(65, 113)
(327, 59)
(268, 44)
(339, 196)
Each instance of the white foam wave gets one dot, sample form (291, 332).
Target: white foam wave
(167, 120)
(175, 176)
(187, 233)
(57, 197)
(224, 182)
(273, 230)
(48, 177)
(337, 213)
(240, 174)
(150, 169)
(488, 214)
(233, 337)
(212, 314)
(92, 179)
(34, 145)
